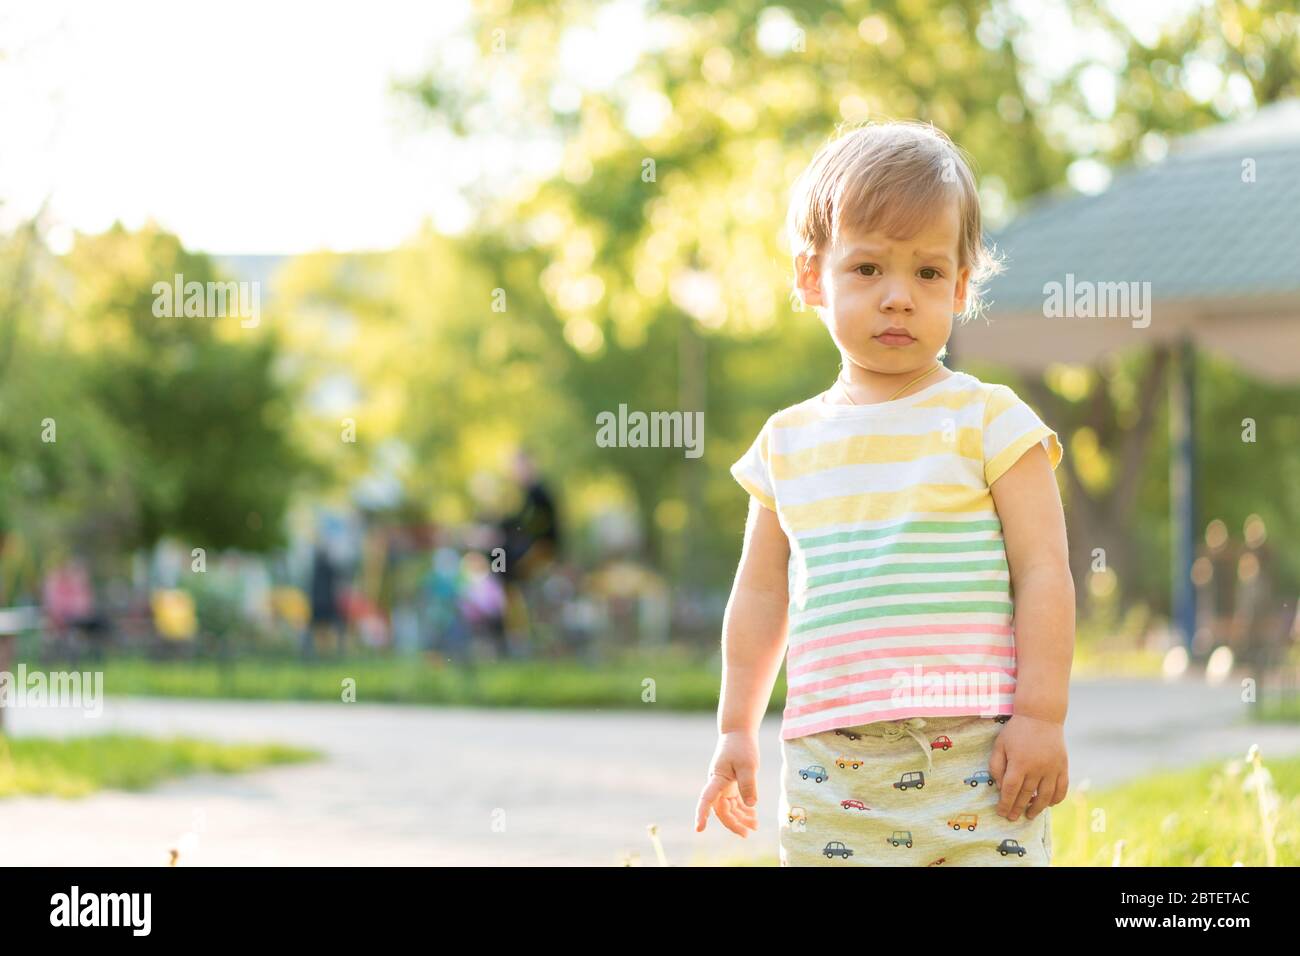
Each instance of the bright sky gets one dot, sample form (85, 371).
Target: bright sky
(267, 127)
(244, 127)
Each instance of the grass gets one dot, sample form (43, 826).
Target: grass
(76, 767)
(1283, 710)
(671, 679)
(682, 679)
(1207, 816)
(1212, 815)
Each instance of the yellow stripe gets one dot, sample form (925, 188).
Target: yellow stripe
(887, 505)
(1011, 454)
(877, 450)
(1000, 399)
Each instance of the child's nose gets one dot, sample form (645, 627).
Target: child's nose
(896, 299)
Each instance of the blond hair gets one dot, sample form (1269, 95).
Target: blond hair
(890, 176)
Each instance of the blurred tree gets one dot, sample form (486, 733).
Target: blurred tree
(201, 418)
(440, 383)
(1223, 59)
(53, 496)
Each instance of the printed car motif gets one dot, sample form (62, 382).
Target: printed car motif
(836, 848)
(968, 820)
(841, 732)
(846, 762)
(913, 778)
(900, 838)
(797, 816)
(817, 773)
(854, 805)
(942, 742)
(978, 777)
(1010, 846)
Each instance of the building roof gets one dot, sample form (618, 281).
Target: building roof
(1187, 224)
(1212, 244)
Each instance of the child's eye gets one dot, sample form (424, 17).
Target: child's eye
(865, 265)
(937, 273)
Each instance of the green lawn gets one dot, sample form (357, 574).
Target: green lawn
(679, 683)
(683, 680)
(75, 767)
(1207, 816)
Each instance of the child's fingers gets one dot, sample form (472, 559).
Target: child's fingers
(710, 793)
(1043, 799)
(1062, 787)
(1009, 786)
(1027, 788)
(748, 783)
(998, 763)
(725, 809)
(748, 814)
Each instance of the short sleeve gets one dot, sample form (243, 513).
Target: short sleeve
(754, 469)
(1011, 428)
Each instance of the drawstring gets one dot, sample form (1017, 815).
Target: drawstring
(897, 729)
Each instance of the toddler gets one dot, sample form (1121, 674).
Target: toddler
(891, 519)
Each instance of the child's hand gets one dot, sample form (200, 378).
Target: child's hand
(1029, 756)
(732, 788)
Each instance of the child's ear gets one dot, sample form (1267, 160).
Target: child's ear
(808, 278)
(960, 292)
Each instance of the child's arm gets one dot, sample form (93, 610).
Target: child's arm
(754, 626)
(1030, 753)
(753, 644)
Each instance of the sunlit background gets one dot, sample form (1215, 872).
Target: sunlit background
(475, 227)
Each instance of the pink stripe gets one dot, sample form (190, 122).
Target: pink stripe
(803, 647)
(852, 720)
(915, 650)
(811, 687)
(866, 695)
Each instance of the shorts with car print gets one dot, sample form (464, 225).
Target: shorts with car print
(913, 792)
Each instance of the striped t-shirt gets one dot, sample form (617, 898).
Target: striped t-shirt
(900, 592)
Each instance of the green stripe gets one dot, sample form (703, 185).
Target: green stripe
(936, 567)
(903, 527)
(862, 614)
(907, 547)
(903, 587)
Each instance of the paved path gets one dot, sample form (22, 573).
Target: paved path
(416, 785)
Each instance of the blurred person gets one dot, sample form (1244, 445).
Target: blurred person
(484, 601)
(68, 598)
(326, 615)
(443, 586)
(531, 538)
(532, 534)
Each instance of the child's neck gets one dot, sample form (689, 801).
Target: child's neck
(859, 386)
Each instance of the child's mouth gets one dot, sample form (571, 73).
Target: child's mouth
(895, 338)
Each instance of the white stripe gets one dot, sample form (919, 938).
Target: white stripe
(846, 480)
(1007, 427)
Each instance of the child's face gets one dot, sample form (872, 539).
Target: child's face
(866, 284)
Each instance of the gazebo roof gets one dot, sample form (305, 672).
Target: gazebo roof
(1222, 255)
